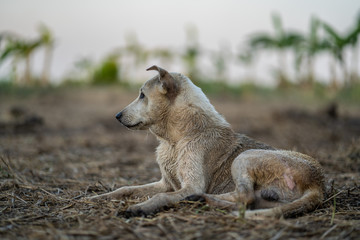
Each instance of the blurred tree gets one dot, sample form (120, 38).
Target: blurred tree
(192, 53)
(246, 57)
(133, 55)
(220, 61)
(165, 56)
(280, 41)
(84, 69)
(9, 49)
(26, 50)
(309, 49)
(354, 74)
(338, 44)
(19, 48)
(47, 40)
(134, 49)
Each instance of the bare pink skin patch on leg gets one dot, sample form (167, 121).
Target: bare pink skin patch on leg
(289, 179)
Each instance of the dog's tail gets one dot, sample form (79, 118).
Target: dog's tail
(308, 202)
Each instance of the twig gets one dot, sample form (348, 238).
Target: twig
(279, 234)
(67, 206)
(333, 212)
(171, 221)
(168, 235)
(7, 165)
(138, 235)
(27, 217)
(328, 231)
(3, 209)
(15, 175)
(335, 195)
(181, 218)
(81, 233)
(79, 196)
(13, 195)
(53, 195)
(30, 187)
(106, 188)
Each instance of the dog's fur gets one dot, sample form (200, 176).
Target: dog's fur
(200, 155)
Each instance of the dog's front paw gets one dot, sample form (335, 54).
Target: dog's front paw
(133, 213)
(195, 198)
(136, 211)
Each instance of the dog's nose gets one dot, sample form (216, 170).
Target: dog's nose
(118, 116)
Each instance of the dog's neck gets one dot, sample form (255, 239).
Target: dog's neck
(187, 122)
(167, 132)
(189, 114)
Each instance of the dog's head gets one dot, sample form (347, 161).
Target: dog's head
(155, 97)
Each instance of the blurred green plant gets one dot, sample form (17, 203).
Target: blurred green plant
(280, 41)
(107, 72)
(86, 71)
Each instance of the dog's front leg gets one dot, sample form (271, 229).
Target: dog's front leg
(135, 191)
(161, 200)
(192, 178)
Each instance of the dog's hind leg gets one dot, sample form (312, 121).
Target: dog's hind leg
(306, 203)
(285, 182)
(244, 182)
(244, 193)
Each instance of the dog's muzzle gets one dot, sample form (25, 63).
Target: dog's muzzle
(119, 116)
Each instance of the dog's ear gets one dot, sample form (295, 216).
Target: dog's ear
(167, 81)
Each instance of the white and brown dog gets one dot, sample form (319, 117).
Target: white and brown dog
(200, 155)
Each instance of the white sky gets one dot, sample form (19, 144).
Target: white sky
(92, 28)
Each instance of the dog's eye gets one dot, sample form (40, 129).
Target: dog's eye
(142, 95)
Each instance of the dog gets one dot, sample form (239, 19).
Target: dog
(202, 158)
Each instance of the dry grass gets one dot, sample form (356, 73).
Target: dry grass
(75, 148)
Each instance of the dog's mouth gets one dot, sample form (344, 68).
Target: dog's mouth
(133, 126)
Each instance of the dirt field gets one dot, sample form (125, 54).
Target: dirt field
(58, 147)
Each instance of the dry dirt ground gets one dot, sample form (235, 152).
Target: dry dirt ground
(58, 147)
